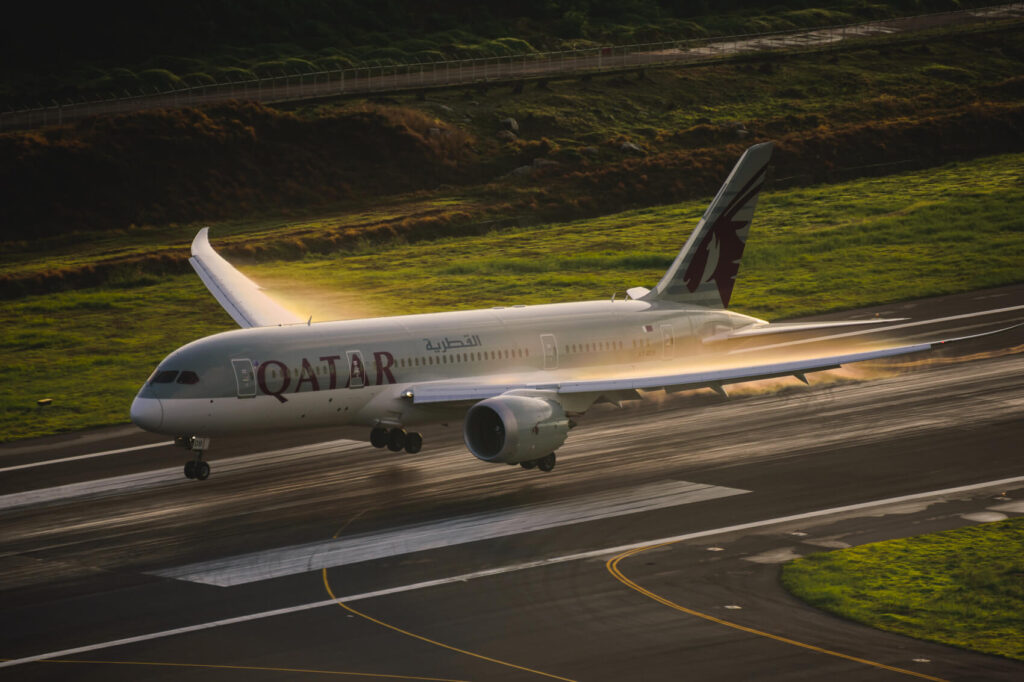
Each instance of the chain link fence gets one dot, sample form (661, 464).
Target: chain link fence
(378, 78)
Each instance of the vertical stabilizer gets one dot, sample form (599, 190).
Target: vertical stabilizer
(705, 270)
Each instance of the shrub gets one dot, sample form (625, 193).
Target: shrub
(161, 79)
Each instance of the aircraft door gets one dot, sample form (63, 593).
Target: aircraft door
(668, 342)
(550, 346)
(245, 378)
(356, 370)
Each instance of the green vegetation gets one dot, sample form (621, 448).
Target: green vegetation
(401, 205)
(222, 40)
(868, 241)
(961, 587)
(866, 111)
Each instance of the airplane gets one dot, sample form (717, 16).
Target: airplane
(516, 376)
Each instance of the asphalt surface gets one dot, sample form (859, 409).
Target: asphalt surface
(488, 572)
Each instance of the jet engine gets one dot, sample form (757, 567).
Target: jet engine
(515, 428)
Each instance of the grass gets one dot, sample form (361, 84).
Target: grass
(827, 247)
(678, 116)
(961, 587)
(954, 228)
(262, 39)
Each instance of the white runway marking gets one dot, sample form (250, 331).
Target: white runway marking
(353, 549)
(89, 456)
(168, 476)
(609, 551)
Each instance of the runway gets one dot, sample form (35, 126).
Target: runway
(114, 566)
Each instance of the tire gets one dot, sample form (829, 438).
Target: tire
(546, 463)
(532, 464)
(379, 437)
(202, 471)
(413, 442)
(396, 440)
(190, 469)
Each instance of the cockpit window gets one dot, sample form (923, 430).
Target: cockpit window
(165, 377)
(188, 377)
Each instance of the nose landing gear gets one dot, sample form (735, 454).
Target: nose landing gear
(197, 468)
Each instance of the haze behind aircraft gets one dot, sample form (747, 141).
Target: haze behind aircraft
(515, 375)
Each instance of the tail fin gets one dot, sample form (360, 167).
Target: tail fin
(705, 270)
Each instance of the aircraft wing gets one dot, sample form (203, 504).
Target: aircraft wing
(706, 377)
(242, 298)
(459, 390)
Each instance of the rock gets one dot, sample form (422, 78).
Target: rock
(521, 171)
(510, 124)
(542, 163)
(590, 151)
(507, 136)
(433, 132)
(631, 147)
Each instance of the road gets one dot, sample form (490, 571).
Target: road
(114, 566)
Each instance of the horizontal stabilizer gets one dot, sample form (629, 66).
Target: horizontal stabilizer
(795, 327)
(242, 298)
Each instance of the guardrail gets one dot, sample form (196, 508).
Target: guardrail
(377, 78)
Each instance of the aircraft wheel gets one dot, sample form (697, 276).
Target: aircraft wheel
(546, 463)
(413, 442)
(379, 437)
(190, 469)
(529, 465)
(396, 439)
(202, 470)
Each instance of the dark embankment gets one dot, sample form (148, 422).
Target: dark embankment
(163, 166)
(820, 154)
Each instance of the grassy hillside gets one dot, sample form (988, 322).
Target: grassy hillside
(955, 228)
(387, 207)
(104, 49)
(861, 112)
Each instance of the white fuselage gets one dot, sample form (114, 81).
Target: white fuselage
(363, 371)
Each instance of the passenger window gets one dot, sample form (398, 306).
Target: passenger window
(187, 377)
(164, 377)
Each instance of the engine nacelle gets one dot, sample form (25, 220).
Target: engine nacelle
(515, 428)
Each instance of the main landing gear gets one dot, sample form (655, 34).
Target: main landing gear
(545, 463)
(396, 439)
(197, 468)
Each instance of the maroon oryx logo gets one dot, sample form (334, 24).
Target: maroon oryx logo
(717, 255)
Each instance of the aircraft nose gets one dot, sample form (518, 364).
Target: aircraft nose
(147, 413)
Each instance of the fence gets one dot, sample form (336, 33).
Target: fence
(378, 78)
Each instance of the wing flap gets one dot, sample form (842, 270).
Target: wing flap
(240, 297)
